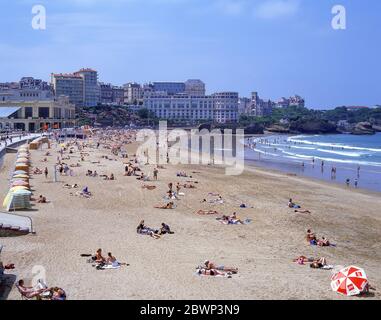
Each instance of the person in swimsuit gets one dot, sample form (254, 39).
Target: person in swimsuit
(98, 257)
(211, 266)
(29, 292)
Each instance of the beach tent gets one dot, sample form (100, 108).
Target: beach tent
(349, 281)
(14, 201)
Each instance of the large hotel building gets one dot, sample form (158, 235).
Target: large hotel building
(220, 107)
(81, 87)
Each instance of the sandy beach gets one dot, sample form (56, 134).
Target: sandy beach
(69, 226)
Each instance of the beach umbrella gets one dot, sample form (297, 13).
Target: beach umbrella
(349, 281)
(22, 167)
(18, 188)
(23, 154)
(20, 183)
(22, 161)
(22, 176)
(20, 172)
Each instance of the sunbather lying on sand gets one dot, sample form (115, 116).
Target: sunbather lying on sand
(70, 186)
(303, 260)
(169, 205)
(212, 272)
(211, 266)
(144, 230)
(188, 186)
(302, 211)
(324, 242)
(58, 294)
(148, 187)
(207, 212)
(318, 264)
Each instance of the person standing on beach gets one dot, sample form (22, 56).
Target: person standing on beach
(348, 182)
(356, 183)
(155, 172)
(46, 172)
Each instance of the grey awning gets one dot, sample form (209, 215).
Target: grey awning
(5, 112)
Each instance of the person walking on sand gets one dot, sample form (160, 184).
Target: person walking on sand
(46, 172)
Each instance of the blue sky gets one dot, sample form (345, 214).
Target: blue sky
(275, 47)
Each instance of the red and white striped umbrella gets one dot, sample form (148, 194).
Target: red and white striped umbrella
(349, 281)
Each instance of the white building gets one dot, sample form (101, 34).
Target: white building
(69, 85)
(219, 107)
(225, 106)
(91, 89)
(195, 87)
(133, 93)
(81, 87)
(180, 107)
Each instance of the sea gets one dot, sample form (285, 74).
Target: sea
(351, 160)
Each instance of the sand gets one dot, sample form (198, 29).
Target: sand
(165, 269)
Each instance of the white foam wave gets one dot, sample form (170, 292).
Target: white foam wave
(342, 153)
(330, 145)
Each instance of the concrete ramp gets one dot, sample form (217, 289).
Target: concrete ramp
(12, 222)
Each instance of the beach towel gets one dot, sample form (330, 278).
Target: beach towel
(108, 267)
(327, 267)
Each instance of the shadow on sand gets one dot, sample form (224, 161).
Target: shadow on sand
(6, 283)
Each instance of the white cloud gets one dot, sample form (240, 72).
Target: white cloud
(231, 7)
(272, 9)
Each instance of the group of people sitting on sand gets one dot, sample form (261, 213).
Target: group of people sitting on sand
(102, 262)
(41, 291)
(183, 174)
(208, 268)
(131, 170)
(154, 233)
(313, 240)
(90, 173)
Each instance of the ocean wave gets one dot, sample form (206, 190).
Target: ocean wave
(342, 153)
(331, 145)
(302, 156)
